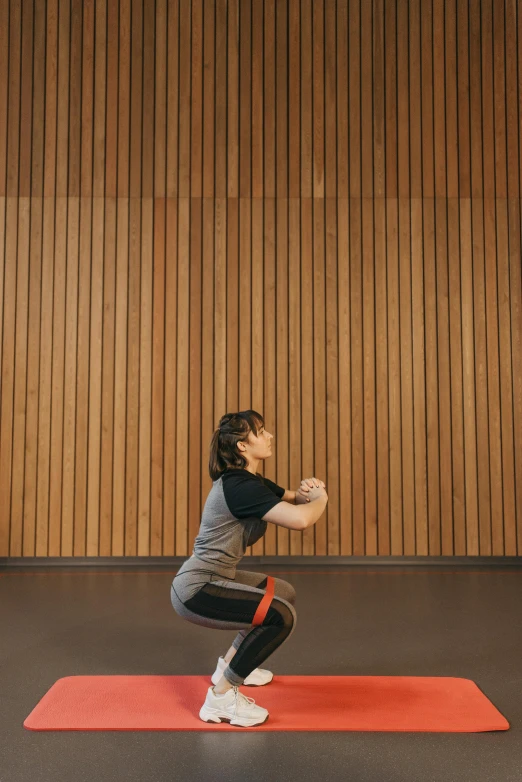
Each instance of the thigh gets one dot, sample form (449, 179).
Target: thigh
(281, 588)
(230, 605)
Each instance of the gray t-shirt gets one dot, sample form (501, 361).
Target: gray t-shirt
(231, 521)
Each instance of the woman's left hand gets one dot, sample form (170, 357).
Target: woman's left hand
(305, 486)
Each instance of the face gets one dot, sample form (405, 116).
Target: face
(256, 448)
(259, 447)
(264, 438)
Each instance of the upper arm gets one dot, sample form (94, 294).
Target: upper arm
(248, 496)
(284, 514)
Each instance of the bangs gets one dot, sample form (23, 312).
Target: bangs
(255, 421)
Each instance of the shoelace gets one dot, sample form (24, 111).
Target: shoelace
(248, 701)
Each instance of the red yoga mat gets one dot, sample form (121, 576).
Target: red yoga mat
(315, 703)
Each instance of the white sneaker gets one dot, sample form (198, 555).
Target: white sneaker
(232, 707)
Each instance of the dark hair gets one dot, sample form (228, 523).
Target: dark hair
(233, 428)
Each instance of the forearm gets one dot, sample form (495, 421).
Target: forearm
(312, 511)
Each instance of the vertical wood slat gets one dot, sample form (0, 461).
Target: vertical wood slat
(182, 309)
(318, 115)
(245, 98)
(341, 163)
(159, 86)
(9, 537)
(233, 109)
(290, 124)
(318, 348)
(170, 478)
(62, 109)
(463, 99)
(207, 316)
(269, 344)
(356, 372)
(85, 383)
(173, 105)
(433, 464)
(345, 501)
(108, 377)
(53, 299)
(406, 373)
(512, 98)
(468, 378)
(22, 530)
(12, 151)
(418, 325)
(444, 373)
(65, 543)
(5, 62)
(256, 97)
(217, 176)
(481, 369)
(515, 273)
(256, 292)
(298, 395)
(136, 98)
(332, 542)
(311, 209)
(194, 127)
(305, 97)
(194, 340)
(148, 101)
(43, 386)
(287, 292)
(75, 52)
(4, 484)
(60, 259)
(455, 359)
(214, 100)
(27, 397)
(143, 542)
(506, 377)
(26, 99)
(451, 99)
(415, 99)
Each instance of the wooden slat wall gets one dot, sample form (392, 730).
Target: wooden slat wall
(308, 207)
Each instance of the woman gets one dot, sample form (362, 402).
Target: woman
(208, 589)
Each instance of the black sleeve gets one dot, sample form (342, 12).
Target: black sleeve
(278, 490)
(248, 495)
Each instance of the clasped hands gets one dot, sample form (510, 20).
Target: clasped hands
(306, 484)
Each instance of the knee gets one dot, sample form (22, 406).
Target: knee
(290, 593)
(281, 615)
(285, 591)
(288, 616)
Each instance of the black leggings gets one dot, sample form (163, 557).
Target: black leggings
(228, 604)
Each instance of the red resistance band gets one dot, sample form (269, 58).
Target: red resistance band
(264, 605)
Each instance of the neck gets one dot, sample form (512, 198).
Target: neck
(253, 466)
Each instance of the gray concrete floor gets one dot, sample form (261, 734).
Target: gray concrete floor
(459, 621)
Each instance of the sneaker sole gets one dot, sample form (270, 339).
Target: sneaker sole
(210, 717)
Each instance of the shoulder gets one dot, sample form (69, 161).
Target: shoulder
(239, 476)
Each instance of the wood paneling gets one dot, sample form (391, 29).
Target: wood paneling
(308, 207)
